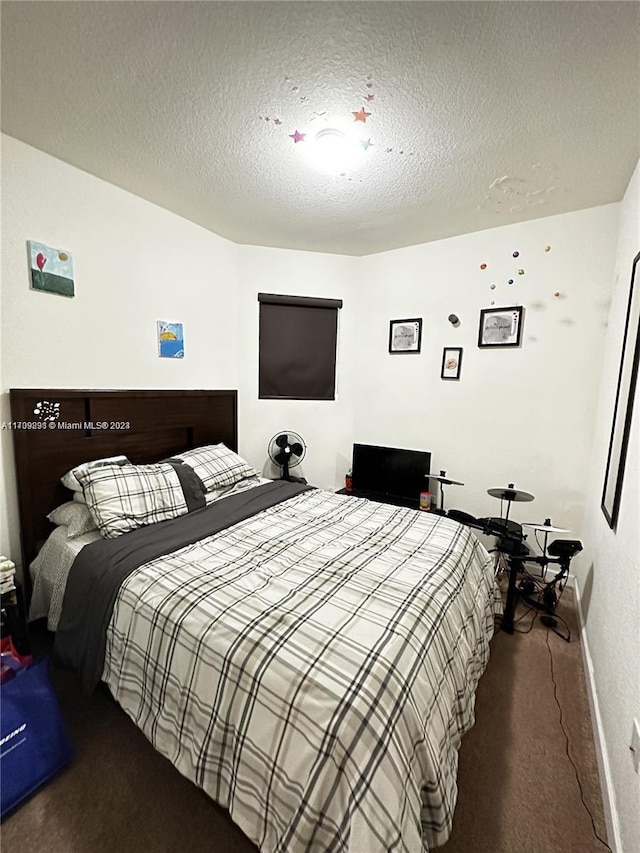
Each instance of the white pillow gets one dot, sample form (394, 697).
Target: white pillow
(75, 517)
(217, 466)
(70, 479)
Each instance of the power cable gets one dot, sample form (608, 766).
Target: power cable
(566, 737)
(526, 613)
(530, 628)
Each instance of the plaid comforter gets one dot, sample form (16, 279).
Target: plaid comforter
(313, 669)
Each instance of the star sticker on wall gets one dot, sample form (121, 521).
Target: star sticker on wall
(297, 136)
(277, 121)
(369, 98)
(366, 143)
(361, 115)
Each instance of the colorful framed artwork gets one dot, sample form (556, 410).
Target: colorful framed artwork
(170, 339)
(51, 269)
(451, 363)
(500, 327)
(623, 405)
(405, 335)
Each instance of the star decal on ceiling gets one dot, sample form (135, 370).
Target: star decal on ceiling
(361, 115)
(366, 144)
(277, 121)
(369, 98)
(297, 136)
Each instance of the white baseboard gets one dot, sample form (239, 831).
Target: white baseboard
(604, 769)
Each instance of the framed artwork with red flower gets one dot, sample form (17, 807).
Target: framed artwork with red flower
(51, 269)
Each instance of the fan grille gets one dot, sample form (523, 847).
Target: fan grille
(287, 448)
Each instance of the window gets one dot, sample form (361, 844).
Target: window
(298, 337)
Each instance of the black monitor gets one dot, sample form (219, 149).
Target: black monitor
(393, 473)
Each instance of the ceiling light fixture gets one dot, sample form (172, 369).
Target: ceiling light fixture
(333, 150)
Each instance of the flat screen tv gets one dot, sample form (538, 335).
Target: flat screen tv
(391, 473)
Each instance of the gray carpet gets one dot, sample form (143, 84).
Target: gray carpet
(518, 790)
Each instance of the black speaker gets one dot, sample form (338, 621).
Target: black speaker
(564, 547)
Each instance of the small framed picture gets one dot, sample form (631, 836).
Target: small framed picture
(405, 335)
(500, 327)
(51, 269)
(170, 339)
(451, 361)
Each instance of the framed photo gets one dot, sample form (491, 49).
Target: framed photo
(451, 361)
(405, 335)
(500, 327)
(623, 405)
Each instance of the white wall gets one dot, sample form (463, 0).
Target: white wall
(326, 426)
(522, 415)
(134, 263)
(5, 544)
(610, 578)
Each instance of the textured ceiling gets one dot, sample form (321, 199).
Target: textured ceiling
(481, 114)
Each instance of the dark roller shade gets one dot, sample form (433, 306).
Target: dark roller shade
(298, 337)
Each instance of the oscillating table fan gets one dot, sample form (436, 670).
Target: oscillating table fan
(287, 449)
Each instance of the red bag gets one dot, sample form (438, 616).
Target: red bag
(7, 648)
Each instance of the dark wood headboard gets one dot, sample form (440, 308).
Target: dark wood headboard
(145, 426)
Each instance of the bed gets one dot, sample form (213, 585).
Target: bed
(308, 659)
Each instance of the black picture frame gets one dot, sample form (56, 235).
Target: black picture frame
(623, 405)
(405, 335)
(451, 370)
(501, 327)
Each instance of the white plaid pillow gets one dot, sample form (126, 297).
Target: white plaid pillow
(70, 479)
(217, 466)
(123, 497)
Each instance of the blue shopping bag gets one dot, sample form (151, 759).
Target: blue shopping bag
(33, 741)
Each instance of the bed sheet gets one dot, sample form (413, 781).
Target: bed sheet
(49, 573)
(313, 669)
